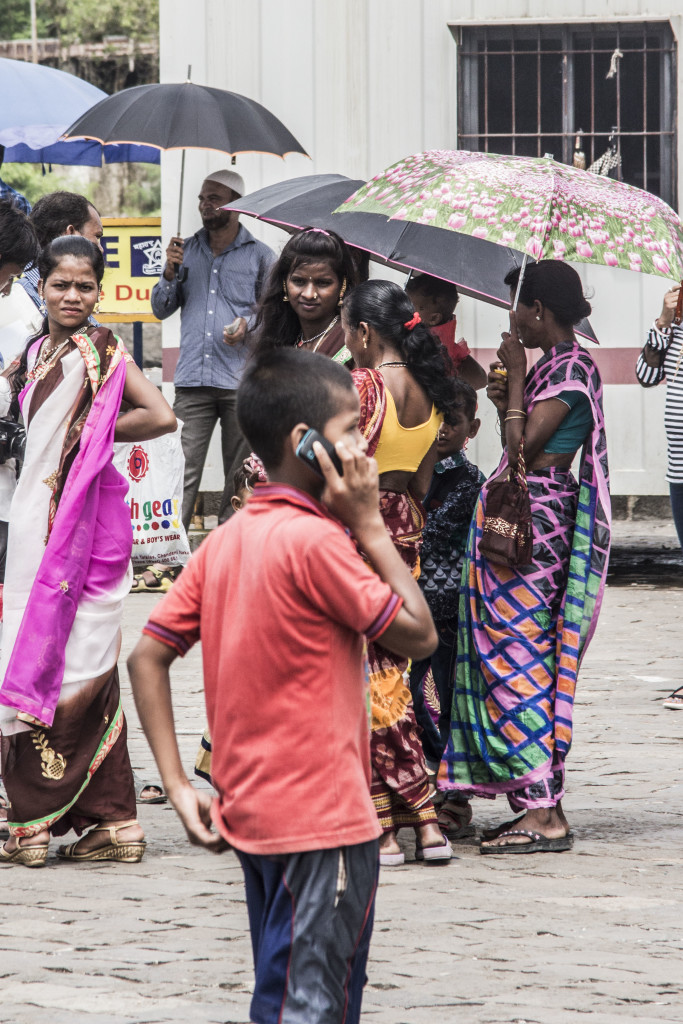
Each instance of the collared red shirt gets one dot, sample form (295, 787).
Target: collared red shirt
(11, 194)
(281, 599)
(217, 289)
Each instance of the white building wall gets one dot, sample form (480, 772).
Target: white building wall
(362, 83)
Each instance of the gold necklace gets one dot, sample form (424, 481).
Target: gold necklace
(45, 362)
(319, 338)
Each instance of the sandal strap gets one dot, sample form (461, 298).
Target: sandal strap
(113, 829)
(534, 836)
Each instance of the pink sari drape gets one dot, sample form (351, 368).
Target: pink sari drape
(92, 502)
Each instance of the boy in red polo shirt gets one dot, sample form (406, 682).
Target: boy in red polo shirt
(282, 601)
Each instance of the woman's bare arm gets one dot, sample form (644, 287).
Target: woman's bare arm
(422, 478)
(150, 414)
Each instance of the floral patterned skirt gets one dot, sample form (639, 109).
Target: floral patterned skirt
(400, 787)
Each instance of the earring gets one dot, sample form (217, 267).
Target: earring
(538, 317)
(342, 293)
(97, 307)
(365, 343)
(285, 296)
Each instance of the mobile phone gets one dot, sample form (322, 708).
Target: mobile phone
(305, 452)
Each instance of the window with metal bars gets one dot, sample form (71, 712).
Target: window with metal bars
(600, 96)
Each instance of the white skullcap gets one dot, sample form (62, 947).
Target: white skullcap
(231, 179)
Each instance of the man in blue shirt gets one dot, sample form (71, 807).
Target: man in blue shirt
(215, 278)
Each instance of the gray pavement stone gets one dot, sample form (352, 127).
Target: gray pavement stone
(592, 934)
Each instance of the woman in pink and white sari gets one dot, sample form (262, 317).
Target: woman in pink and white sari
(65, 761)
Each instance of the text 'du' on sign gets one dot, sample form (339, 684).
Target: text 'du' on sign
(134, 261)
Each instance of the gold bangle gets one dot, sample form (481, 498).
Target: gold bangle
(518, 410)
(514, 418)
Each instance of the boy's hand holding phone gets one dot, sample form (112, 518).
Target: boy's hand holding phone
(353, 497)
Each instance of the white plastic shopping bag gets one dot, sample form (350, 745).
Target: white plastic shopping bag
(154, 470)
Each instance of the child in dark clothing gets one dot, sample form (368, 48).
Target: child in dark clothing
(449, 504)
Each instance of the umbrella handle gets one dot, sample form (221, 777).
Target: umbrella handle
(520, 279)
(678, 315)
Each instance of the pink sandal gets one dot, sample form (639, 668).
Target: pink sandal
(434, 854)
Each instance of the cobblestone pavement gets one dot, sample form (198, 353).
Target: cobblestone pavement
(594, 934)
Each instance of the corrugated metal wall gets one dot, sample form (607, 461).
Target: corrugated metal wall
(362, 83)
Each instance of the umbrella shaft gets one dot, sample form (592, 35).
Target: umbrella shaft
(180, 200)
(519, 283)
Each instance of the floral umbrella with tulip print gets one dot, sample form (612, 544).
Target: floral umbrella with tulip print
(534, 205)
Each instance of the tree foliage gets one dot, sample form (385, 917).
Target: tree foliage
(81, 21)
(117, 189)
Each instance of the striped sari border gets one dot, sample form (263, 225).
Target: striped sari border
(31, 828)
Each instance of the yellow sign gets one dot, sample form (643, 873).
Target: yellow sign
(134, 263)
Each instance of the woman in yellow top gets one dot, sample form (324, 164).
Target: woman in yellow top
(405, 388)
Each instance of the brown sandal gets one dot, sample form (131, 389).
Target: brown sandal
(30, 856)
(126, 853)
(455, 820)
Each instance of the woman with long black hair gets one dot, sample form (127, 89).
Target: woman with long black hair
(405, 388)
(301, 302)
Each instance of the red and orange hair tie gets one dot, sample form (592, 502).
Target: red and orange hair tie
(413, 322)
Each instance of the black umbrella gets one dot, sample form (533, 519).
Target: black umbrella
(476, 266)
(186, 116)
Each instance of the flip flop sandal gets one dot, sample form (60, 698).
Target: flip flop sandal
(493, 833)
(538, 844)
(452, 823)
(674, 702)
(29, 856)
(124, 853)
(434, 854)
(391, 860)
(141, 785)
